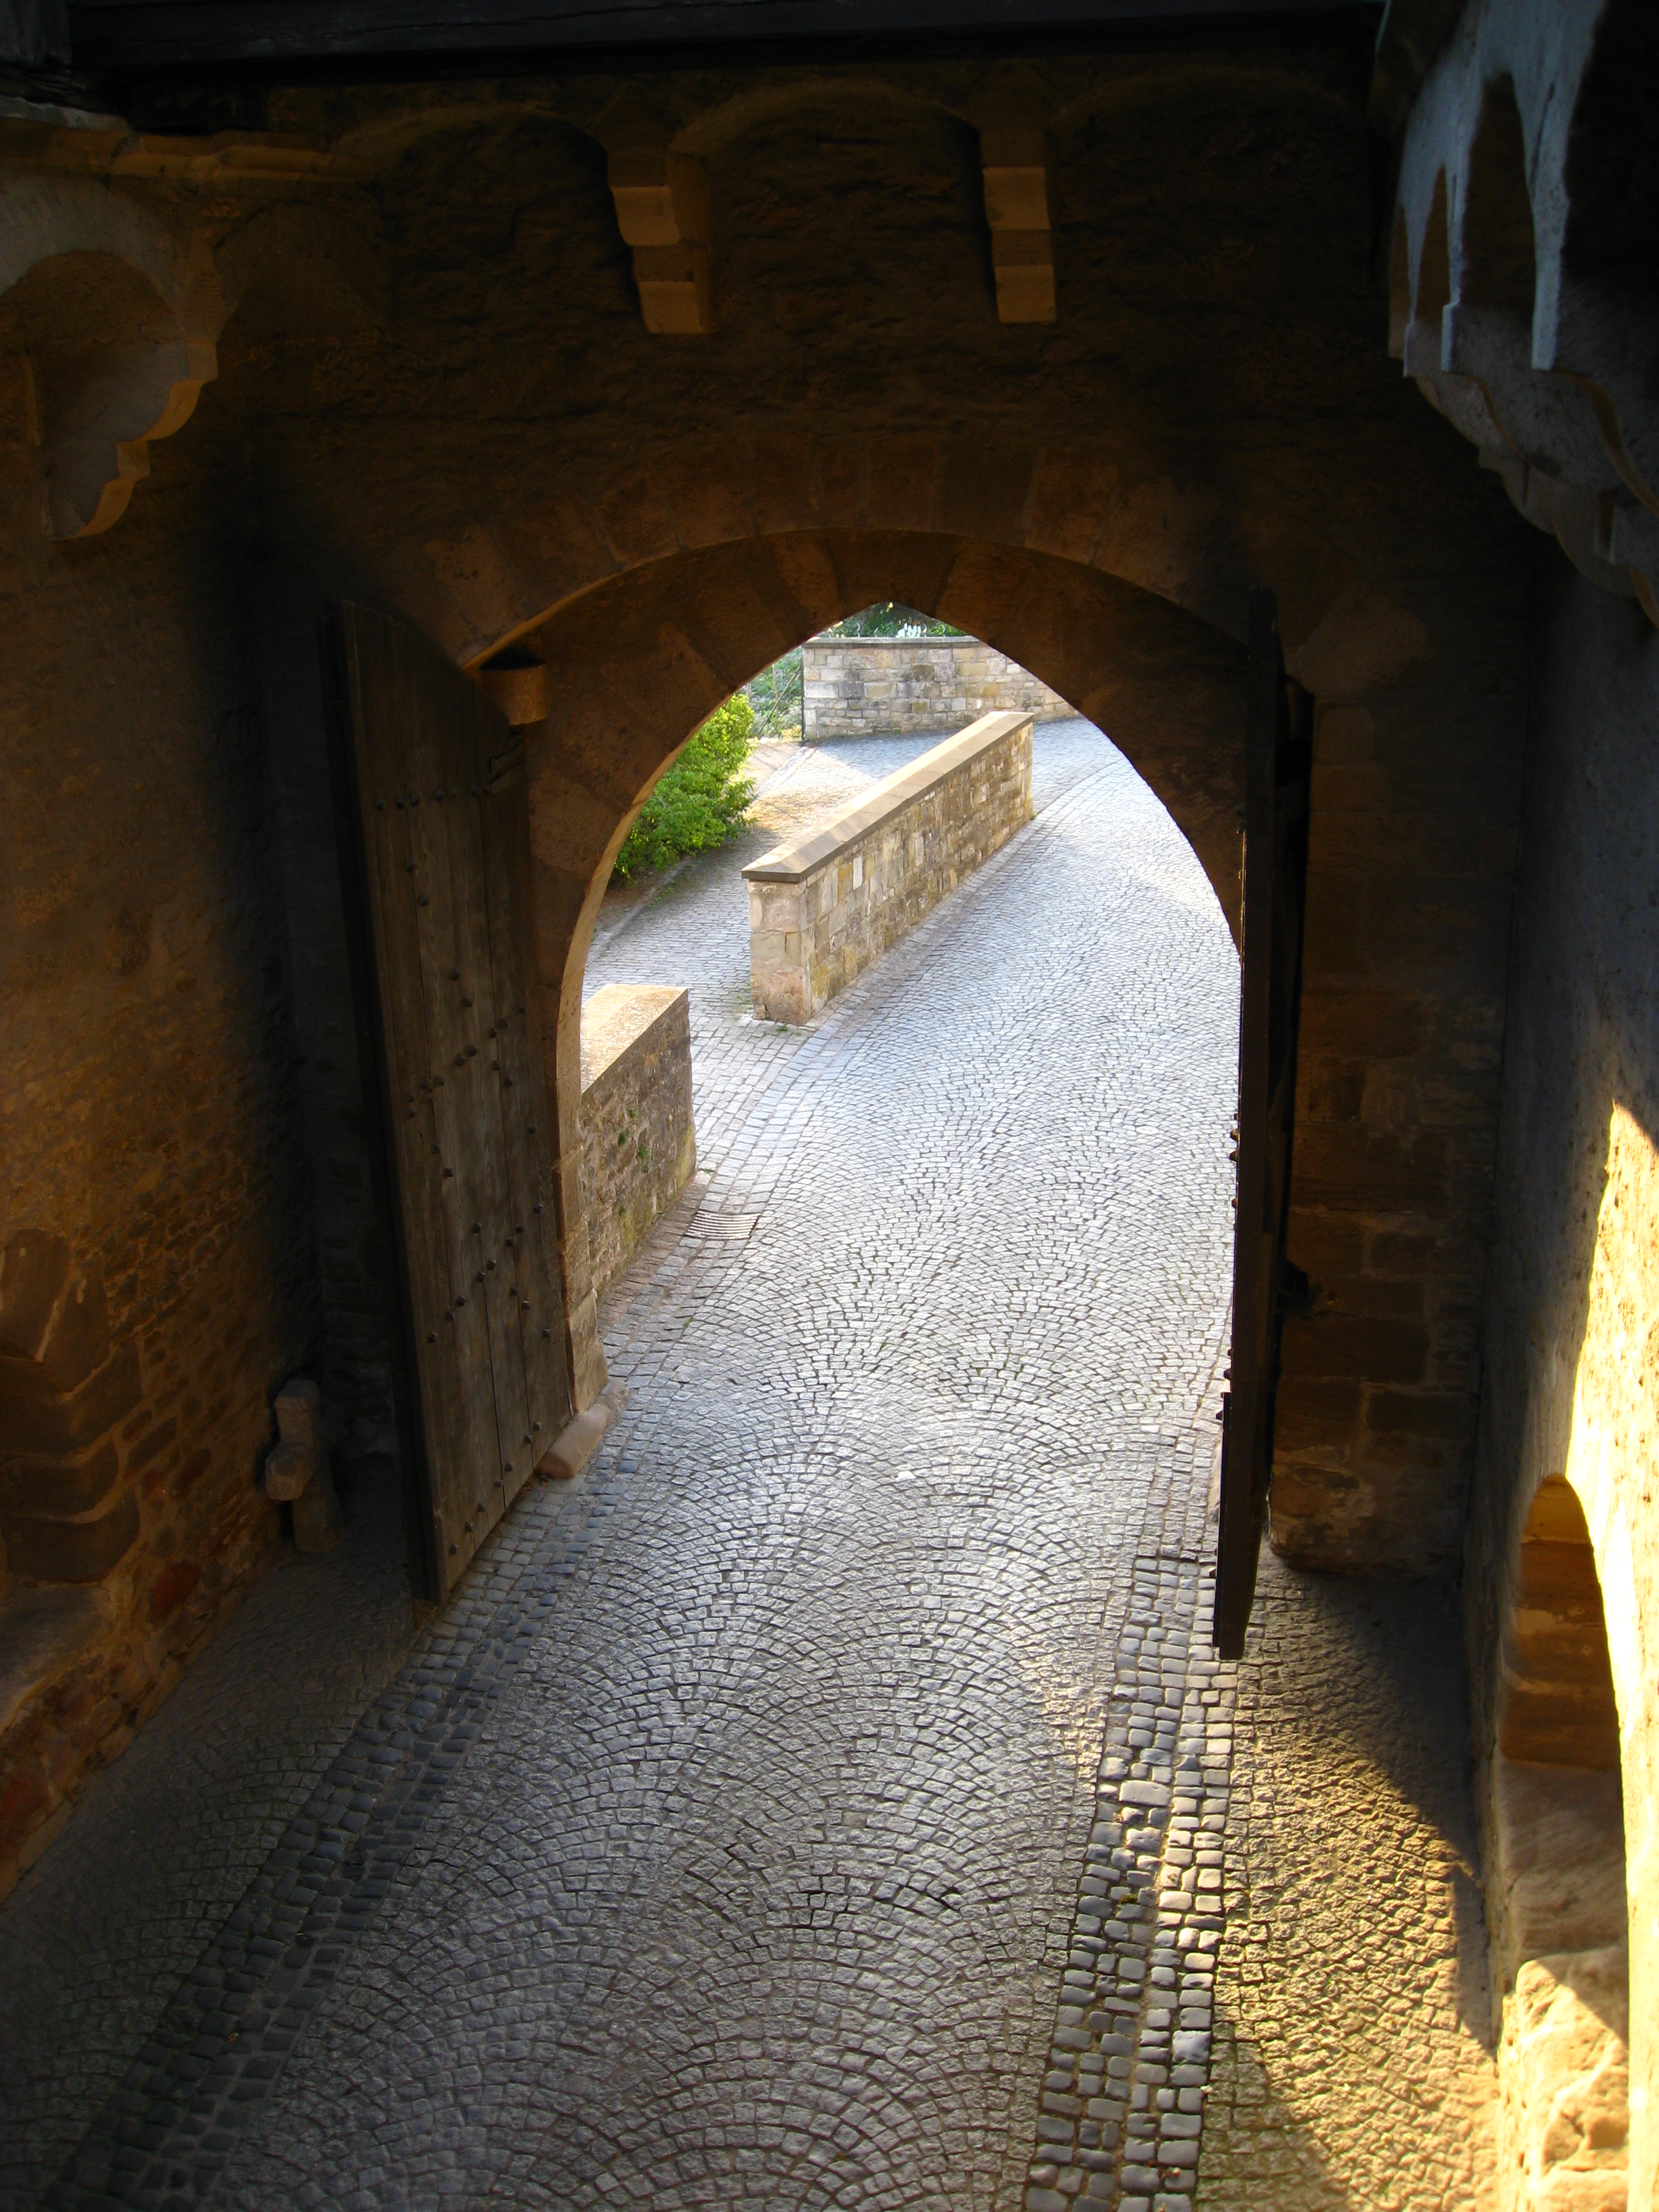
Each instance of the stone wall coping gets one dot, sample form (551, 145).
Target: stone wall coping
(850, 824)
(616, 1016)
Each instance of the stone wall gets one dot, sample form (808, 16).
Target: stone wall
(692, 507)
(870, 687)
(442, 293)
(1571, 1364)
(822, 908)
(157, 1261)
(639, 1149)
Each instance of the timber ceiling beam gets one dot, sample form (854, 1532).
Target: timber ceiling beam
(152, 37)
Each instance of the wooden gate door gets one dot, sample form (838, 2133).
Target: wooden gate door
(429, 780)
(1278, 768)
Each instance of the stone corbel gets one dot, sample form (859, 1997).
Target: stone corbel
(107, 376)
(1547, 417)
(1545, 367)
(99, 417)
(1550, 437)
(1579, 519)
(1015, 168)
(1604, 338)
(662, 210)
(520, 685)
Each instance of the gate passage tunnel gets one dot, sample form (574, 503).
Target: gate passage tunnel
(453, 415)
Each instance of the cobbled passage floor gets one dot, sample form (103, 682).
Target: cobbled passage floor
(829, 1800)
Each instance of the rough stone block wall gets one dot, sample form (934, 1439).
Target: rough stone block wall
(665, 517)
(157, 1271)
(639, 1149)
(1570, 1365)
(854, 687)
(821, 909)
(1416, 793)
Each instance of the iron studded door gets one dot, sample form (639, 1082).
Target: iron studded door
(1278, 768)
(431, 790)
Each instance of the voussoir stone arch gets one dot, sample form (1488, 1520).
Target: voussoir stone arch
(636, 663)
(867, 94)
(1125, 513)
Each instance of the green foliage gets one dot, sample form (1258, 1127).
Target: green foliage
(887, 618)
(702, 799)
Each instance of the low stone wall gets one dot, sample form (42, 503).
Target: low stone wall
(867, 687)
(824, 907)
(639, 1149)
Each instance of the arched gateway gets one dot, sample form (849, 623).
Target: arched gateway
(600, 697)
(603, 366)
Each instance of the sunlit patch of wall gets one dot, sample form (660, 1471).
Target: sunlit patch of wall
(1570, 1419)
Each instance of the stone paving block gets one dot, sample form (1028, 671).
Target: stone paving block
(809, 1804)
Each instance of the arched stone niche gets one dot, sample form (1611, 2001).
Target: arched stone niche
(1577, 1693)
(1559, 1896)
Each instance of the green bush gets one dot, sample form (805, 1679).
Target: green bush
(704, 800)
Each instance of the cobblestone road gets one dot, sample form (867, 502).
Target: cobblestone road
(829, 1800)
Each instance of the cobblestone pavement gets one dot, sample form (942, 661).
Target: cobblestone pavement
(829, 1800)
(1353, 2064)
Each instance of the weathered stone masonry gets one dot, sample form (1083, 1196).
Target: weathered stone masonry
(867, 687)
(1520, 304)
(822, 908)
(157, 1276)
(645, 379)
(639, 1148)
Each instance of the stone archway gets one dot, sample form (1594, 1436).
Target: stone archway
(635, 664)
(1560, 1917)
(1574, 1651)
(1048, 546)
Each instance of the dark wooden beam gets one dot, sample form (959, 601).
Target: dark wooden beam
(276, 36)
(1279, 761)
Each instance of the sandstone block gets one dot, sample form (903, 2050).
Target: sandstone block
(300, 1415)
(577, 1443)
(638, 1146)
(1565, 2070)
(289, 1470)
(318, 1523)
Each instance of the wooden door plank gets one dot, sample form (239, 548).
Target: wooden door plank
(380, 707)
(523, 1098)
(466, 1417)
(1277, 772)
(453, 1027)
(469, 1495)
(491, 1166)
